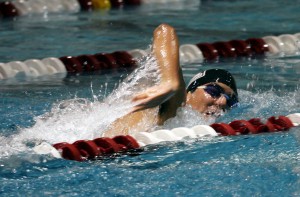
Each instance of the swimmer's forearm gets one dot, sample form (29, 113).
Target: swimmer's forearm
(165, 49)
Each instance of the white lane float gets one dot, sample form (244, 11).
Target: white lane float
(190, 53)
(54, 64)
(285, 43)
(6, 71)
(19, 67)
(32, 68)
(37, 67)
(291, 42)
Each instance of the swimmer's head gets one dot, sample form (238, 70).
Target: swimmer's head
(212, 91)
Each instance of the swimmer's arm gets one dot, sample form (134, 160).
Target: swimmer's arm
(166, 51)
(123, 125)
(170, 93)
(132, 122)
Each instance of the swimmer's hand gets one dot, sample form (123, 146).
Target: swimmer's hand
(153, 97)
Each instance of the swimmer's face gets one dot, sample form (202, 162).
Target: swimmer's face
(203, 102)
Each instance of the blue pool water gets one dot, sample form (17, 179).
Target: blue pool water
(253, 165)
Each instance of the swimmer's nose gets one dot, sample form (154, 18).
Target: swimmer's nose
(221, 102)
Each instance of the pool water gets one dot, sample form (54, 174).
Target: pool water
(31, 108)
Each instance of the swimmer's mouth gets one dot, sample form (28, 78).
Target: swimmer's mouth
(215, 114)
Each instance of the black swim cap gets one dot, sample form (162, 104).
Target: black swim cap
(212, 75)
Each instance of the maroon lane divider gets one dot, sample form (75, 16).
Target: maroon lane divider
(90, 149)
(233, 48)
(253, 126)
(99, 61)
(82, 150)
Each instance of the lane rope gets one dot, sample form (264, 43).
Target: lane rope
(286, 44)
(82, 150)
(67, 64)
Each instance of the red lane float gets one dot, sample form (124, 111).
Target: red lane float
(253, 126)
(233, 48)
(99, 61)
(90, 149)
(82, 150)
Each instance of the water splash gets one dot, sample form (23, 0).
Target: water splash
(80, 118)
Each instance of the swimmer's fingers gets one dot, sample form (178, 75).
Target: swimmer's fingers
(136, 109)
(150, 100)
(150, 92)
(142, 103)
(140, 97)
(145, 104)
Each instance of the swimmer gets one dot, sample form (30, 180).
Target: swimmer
(210, 92)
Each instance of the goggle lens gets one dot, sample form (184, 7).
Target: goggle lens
(216, 91)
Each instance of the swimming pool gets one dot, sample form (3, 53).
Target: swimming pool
(252, 165)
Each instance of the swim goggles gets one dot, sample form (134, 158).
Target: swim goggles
(216, 91)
